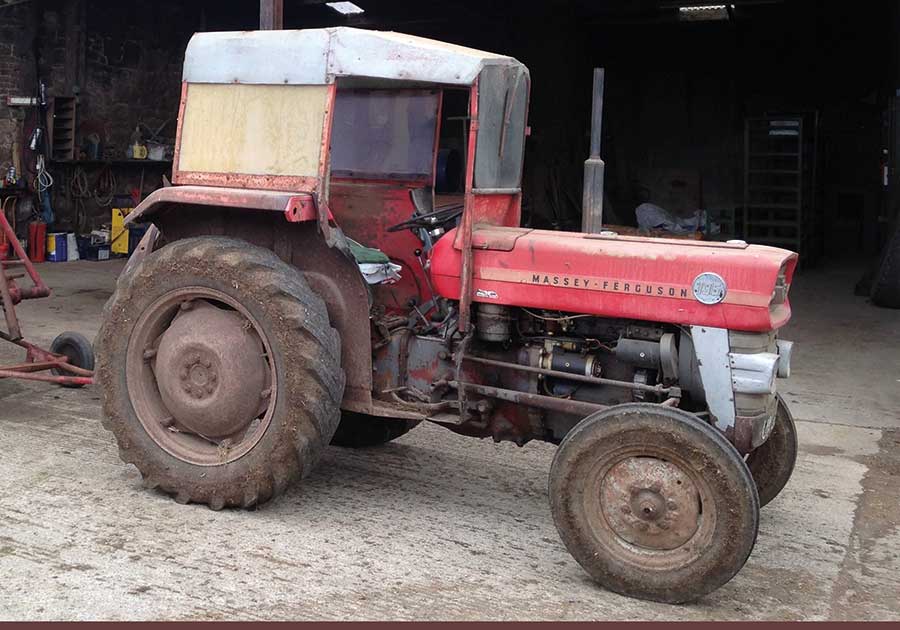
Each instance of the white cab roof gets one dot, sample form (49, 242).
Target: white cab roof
(317, 56)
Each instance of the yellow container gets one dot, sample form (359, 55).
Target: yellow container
(119, 235)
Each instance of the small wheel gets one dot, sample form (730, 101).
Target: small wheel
(358, 430)
(653, 503)
(220, 372)
(77, 349)
(773, 463)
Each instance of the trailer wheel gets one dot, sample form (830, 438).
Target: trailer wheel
(653, 503)
(773, 463)
(77, 349)
(220, 372)
(358, 430)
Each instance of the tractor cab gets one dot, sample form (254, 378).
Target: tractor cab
(385, 131)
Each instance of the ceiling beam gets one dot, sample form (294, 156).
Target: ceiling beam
(271, 15)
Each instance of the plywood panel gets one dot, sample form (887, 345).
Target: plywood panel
(253, 129)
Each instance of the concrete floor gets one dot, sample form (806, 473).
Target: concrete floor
(435, 526)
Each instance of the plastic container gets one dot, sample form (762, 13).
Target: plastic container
(57, 247)
(88, 250)
(135, 234)
(72, 247)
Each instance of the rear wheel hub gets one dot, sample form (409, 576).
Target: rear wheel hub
(201, 376)
(210, 370)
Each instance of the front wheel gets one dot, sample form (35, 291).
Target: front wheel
(653, 503)
(772, 464)
(220, 372)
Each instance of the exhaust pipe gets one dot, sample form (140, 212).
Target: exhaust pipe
(592, 197)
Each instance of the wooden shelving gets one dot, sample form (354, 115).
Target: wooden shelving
(61, 123)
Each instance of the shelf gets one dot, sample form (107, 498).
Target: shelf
(773, 206)
(122, 162)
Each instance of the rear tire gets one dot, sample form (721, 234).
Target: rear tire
(358, 430)
(298, 400)
(773, 463)
(653, 503)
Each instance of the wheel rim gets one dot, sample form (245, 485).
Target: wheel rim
(201, 376)
(649, 507)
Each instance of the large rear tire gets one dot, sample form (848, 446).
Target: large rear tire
(358, 430)
(220, 372)
(653, 503)
(773, 463)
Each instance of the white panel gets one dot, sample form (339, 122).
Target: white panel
(262, 57)
(315, 56)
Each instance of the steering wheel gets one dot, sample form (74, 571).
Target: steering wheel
(429, 220)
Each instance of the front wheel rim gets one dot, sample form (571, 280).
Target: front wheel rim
(649, 508)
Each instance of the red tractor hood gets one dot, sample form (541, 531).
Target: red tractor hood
(649, 279)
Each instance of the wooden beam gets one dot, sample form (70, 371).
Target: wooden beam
(271, 15)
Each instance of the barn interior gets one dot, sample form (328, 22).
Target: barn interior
(769, 121)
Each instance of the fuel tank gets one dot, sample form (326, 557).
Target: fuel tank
(723, 285)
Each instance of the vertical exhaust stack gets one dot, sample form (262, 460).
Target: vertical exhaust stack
(592, 199)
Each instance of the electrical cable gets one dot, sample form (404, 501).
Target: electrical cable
(79, 190)
(43, 180)
(105, 189)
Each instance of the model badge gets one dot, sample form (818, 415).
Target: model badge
(488, 295)
(709, 288)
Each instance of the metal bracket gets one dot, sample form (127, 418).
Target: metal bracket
(713, 357)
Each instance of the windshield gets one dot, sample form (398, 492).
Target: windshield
(387, 134)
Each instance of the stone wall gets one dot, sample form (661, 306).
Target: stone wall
(17, 25)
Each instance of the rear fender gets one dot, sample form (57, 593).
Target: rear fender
(328, 269)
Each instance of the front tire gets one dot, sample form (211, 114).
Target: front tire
(772, 464)
(220, 372)
(653, 503)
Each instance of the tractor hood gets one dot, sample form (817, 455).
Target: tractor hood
(723, 285)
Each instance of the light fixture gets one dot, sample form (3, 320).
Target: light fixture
(704, 12)
(346, 8)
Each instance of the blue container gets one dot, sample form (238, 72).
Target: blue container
(57, 247)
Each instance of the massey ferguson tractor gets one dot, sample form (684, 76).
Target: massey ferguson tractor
(340, 258)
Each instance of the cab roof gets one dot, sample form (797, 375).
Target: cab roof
(319, 56)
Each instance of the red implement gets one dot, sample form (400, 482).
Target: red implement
(72, 366)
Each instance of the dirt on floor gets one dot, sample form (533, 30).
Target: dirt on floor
(434, 525)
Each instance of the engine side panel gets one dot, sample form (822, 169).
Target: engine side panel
(628, 277)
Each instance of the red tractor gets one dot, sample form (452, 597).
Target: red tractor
(341, 258)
